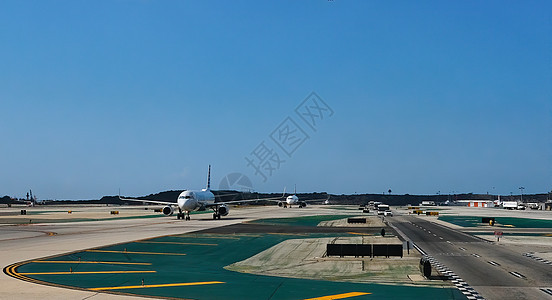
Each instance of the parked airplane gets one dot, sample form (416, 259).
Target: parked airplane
(189, 201)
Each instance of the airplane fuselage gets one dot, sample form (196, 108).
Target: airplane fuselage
(195, 200)
(293, 199)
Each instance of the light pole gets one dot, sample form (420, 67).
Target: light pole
(521, 189)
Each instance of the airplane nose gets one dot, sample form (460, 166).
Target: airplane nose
(189, 205)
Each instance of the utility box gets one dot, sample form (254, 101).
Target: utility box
(487, 220)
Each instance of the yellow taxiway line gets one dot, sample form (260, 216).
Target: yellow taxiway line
(339, 296)
(88, 262)
(178, 243)
(134, 252)
(154, 285)
(81, 273)
(358, 233)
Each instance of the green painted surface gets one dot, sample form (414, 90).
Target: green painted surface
(470, 221)
(510, 233)
(206, 256)
(301, 221)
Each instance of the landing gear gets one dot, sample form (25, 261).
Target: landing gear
(216, 216)
(183, 216)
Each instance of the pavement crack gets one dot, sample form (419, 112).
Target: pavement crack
(88, 297)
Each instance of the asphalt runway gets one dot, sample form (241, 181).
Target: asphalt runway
(98, 258)
(494, 270)
(267, 228)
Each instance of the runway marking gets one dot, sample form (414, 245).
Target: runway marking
(476, 255)
(81, 273)
(509, 225)
(494, 263)
(517, 274)
(88, 262)
(358, 233)
(153, 285)
(133, 252)
(340, 296)
(441, 237)
(462, 248)
(11, 270)
(178, 243)
(548, 291)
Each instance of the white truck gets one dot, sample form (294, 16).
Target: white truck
(509, 204)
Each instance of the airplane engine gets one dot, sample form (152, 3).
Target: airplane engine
(168, 210)
(280, 203)
(302, 204)
(223, 210)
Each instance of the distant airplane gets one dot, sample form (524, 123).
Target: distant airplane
(293, 200)
(189, 201)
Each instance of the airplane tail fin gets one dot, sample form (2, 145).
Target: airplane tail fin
(209, 179)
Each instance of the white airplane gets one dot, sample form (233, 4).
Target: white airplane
(189, 201)
(293, 200)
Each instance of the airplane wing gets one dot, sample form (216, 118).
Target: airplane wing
(242, 201)
(148, 201)
(314, 200)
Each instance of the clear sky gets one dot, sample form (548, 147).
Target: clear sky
(420, 96)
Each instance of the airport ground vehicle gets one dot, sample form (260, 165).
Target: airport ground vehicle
(382, 208)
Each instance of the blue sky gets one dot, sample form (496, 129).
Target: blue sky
(427, 96)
